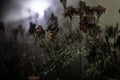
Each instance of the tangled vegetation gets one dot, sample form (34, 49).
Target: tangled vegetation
(60, 54)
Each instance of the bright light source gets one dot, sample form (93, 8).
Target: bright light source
(37, 6)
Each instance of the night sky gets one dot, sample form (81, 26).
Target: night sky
(3, 3)
(8, 7)
(15, 12)
(110, 18)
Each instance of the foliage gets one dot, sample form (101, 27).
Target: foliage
(61, 47)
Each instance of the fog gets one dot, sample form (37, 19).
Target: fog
(24, 11)
(19, 11)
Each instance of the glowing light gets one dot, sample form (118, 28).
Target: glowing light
(38, 6)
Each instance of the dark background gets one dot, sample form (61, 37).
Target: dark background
(3, 4)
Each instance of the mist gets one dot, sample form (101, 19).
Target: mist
(24, 11)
